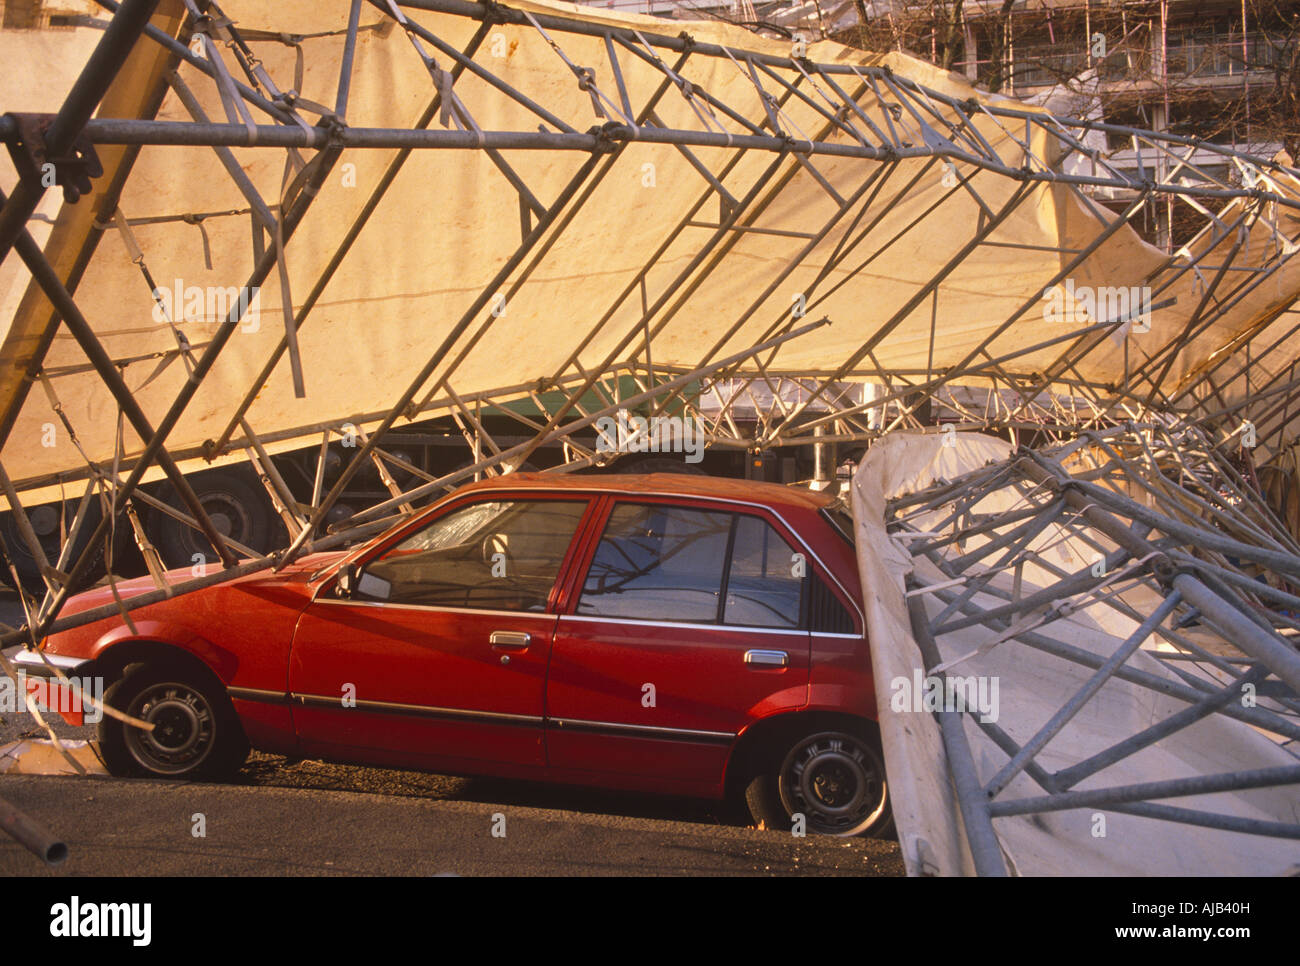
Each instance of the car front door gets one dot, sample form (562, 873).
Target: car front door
(686, 626)
(437, 655)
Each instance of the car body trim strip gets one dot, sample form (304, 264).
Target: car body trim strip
(257, 694)
(642, 731)
(417, 710)
(491, 717)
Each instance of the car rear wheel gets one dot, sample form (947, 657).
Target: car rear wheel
(834, 779)
(196, 732)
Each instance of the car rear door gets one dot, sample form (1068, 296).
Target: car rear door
(438, 657)
(684, 624)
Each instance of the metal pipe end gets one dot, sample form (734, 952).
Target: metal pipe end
(56, 853)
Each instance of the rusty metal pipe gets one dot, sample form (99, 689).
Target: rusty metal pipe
(32, 835)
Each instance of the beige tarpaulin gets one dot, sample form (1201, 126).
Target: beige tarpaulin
(451, 220)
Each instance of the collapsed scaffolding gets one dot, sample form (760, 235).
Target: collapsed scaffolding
(1134, 556)
(873, 155)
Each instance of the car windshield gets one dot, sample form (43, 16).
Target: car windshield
(459, 528)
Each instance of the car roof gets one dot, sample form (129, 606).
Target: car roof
(663, 484)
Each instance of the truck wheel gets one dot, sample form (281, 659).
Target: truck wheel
(45, 521)
(239, 508)
(196, 735)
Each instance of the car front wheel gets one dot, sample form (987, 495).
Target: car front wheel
(196, 733)
(834, 779)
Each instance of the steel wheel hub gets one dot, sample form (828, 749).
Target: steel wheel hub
(183, 728)
(836, 781)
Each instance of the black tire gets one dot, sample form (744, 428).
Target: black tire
(239, 508)
(834, 778)
(45, 522)
(197, 735)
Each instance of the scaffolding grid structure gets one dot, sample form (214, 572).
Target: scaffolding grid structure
(1173, 544)
(867, 113)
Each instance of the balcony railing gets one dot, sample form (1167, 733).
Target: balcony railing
(1198, 54)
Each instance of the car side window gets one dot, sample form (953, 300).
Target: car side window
(765, 582)
(497, 555)
(658, 562)
(669, 563)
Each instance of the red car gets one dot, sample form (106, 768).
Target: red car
(664, 633)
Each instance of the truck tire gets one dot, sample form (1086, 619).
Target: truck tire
(45, 521)
(239, 508)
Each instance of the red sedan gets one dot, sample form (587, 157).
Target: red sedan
(663, 633)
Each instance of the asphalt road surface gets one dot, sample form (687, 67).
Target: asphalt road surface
(115, 827)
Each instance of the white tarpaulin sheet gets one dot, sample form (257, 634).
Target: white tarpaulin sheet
(1031, 687)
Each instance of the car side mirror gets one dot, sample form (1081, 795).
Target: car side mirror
(347, 581)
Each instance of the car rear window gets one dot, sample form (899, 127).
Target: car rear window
(841, 519)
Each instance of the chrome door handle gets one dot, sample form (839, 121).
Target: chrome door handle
(760, 658)
(511, 640)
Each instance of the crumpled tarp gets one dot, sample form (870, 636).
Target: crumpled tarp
(1032, 686)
